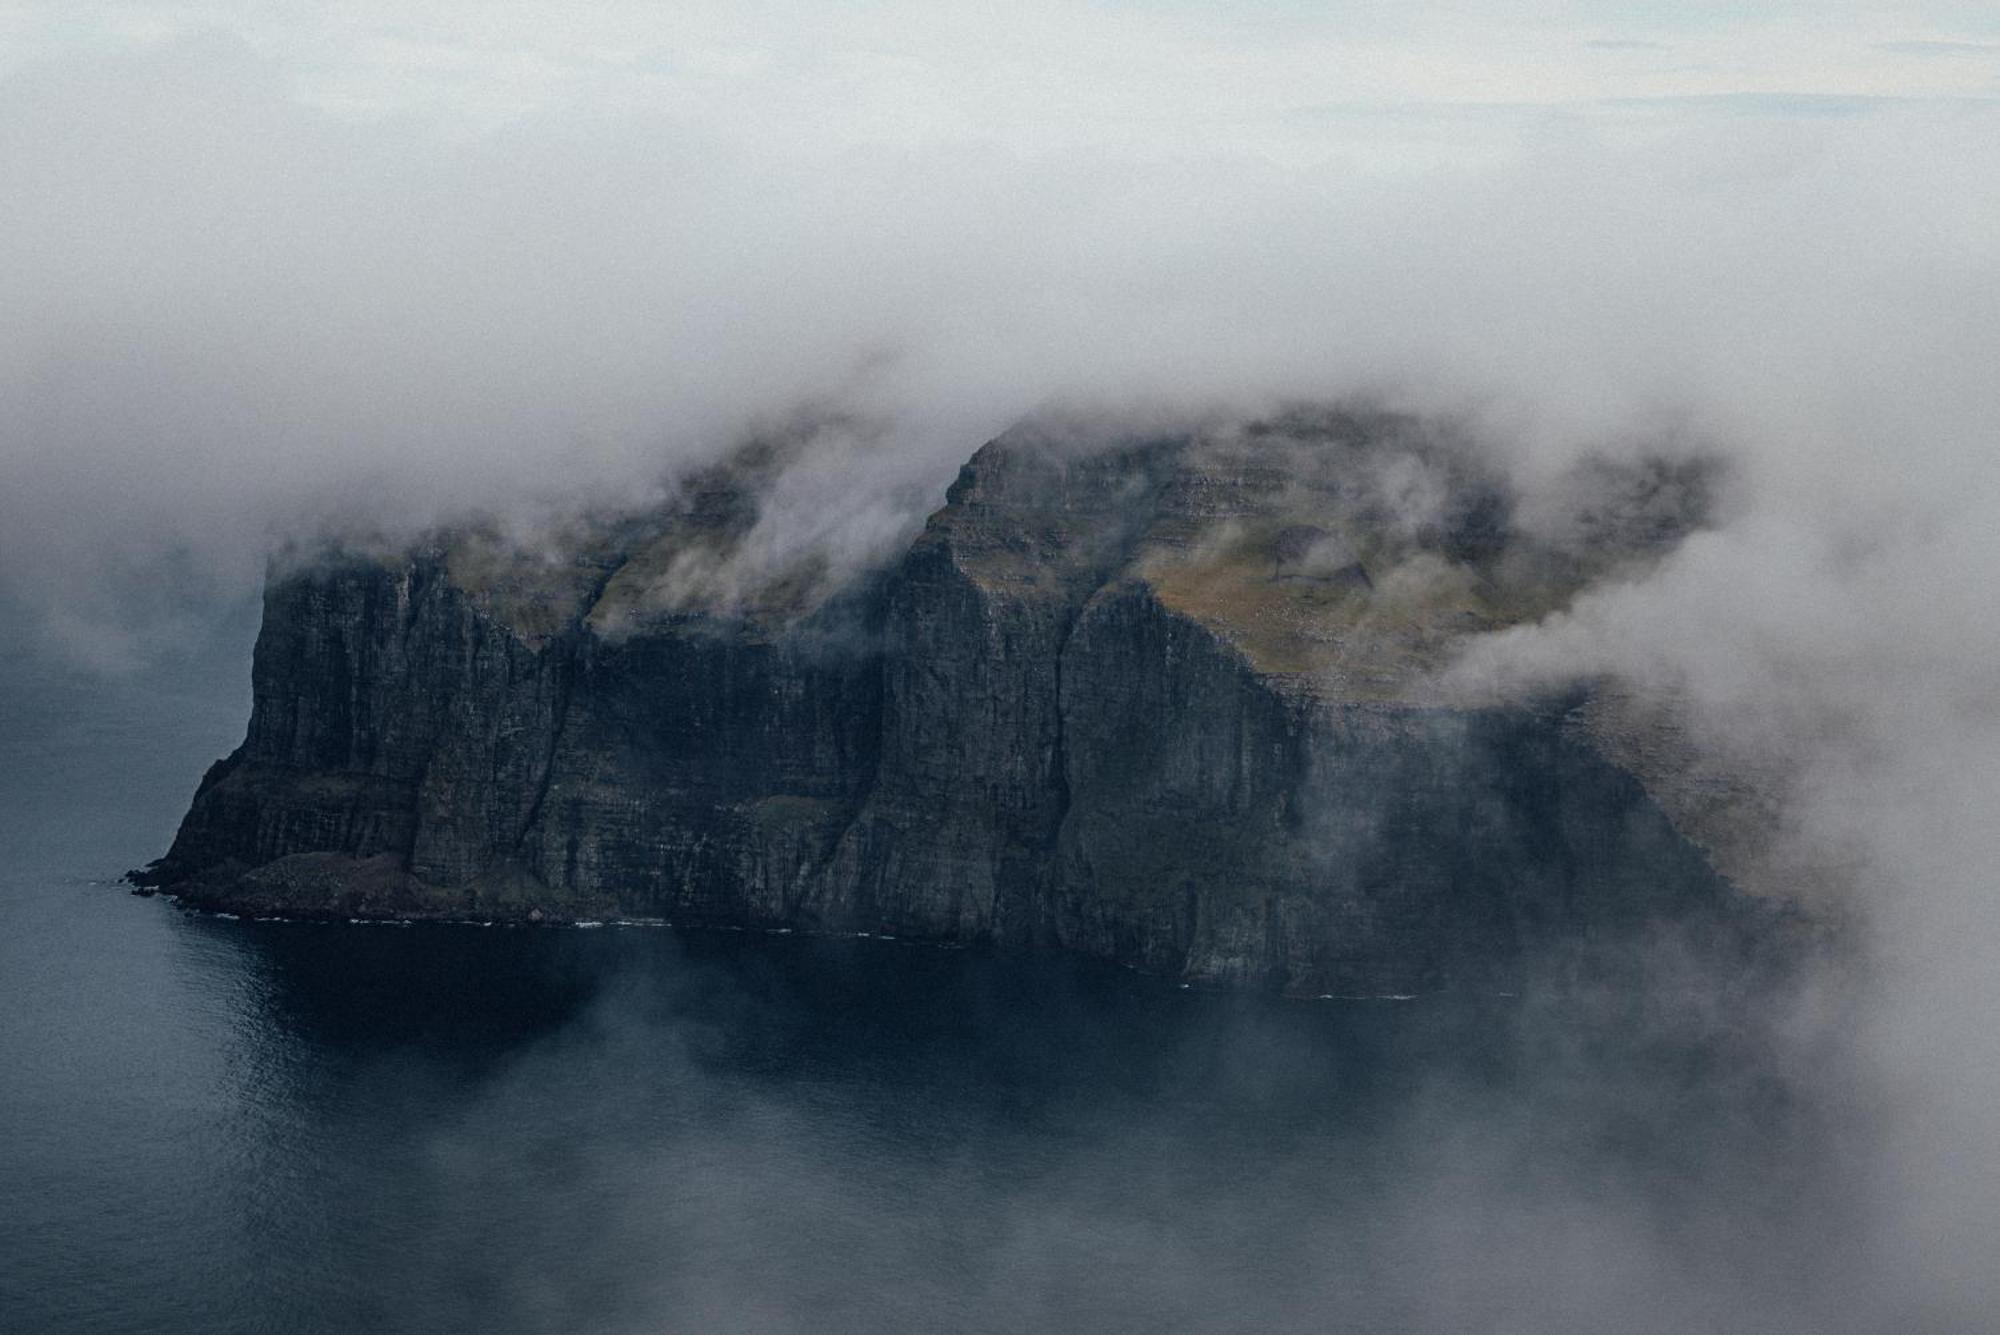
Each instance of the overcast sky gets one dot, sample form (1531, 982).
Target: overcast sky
(269, 264)
(1260, 77)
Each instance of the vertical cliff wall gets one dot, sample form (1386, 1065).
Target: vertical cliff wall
(1161, 700)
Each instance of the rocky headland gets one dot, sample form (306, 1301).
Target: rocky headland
(1165, 698)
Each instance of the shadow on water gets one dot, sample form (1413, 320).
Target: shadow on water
(644, 1129)
(222, 1126)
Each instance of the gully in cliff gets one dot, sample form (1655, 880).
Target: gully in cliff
(1170, 700)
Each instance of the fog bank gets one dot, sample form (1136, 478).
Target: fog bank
(279, 277)
(241, 306)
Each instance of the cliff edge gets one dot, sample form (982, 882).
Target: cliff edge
(1167, 699)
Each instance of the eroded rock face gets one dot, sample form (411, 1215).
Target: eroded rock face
(1165, 700)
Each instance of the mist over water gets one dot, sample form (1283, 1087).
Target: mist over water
(212, 1125)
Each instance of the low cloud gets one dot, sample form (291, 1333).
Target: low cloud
(235, 315)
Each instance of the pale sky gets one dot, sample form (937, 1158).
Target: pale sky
(1291, 81)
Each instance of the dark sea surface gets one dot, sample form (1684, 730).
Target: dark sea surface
(219, 1126)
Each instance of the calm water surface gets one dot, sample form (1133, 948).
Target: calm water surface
(216, 1126)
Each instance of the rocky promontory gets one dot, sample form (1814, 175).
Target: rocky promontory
(1167, 698)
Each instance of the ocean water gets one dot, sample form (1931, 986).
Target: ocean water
(219, 1126)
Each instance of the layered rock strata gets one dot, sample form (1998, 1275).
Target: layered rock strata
(1167, 700)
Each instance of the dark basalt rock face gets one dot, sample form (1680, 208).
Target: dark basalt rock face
(1167, 701)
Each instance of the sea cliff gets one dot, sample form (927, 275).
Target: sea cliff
(1166, 698)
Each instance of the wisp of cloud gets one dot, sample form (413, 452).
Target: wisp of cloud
(253, 295)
